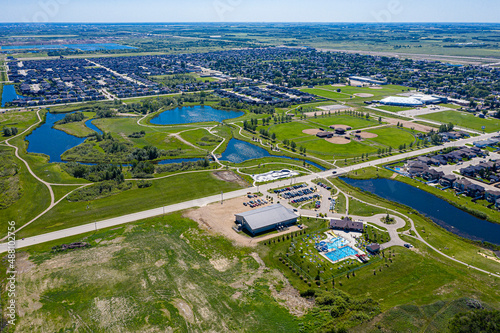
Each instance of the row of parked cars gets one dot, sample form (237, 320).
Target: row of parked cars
(325, 186)
(255, 203)
(307, 198)
(299, 193)
(291, 188)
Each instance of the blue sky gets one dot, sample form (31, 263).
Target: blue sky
(250, 11)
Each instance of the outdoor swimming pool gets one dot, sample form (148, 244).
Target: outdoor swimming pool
(337, 248)
(341, 253)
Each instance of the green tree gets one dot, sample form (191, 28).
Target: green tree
(475, 321)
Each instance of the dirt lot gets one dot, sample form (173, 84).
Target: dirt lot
(312, 131)
(220, 219)
(375, 87)
(339, 140)
(363, 95)
(409, 124)
(367, 135)
(229, 176)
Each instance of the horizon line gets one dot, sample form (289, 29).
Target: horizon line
(253, 22)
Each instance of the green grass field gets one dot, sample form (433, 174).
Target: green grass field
(342, 119)
(360, 209)
(158, 274)
(392, 136)
(77, 128)
(21, 120)
(466, 120)
(327, 93)
(165, 191)
(393, 108)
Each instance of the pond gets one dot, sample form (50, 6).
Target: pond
(93, 127)
(440, 211)
(238, 151)
(50, 141)
(53, 142)
(193, 114)
(9, 94)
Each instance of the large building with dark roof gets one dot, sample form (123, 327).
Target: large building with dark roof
(266, 218)
(346, 224)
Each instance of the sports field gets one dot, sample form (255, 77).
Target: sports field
(466, 120)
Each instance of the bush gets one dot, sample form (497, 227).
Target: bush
(99, 190)
(144, 184)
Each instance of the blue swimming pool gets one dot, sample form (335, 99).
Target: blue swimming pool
(341, 253)
(336, 243)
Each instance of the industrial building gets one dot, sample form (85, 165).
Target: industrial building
(266, 219)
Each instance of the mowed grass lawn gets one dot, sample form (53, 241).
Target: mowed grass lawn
(392, 136)
(326, 93)
(393, 108)
(291, 131)
(466, 120)
(327, 150)
(343, 119)
(167, 191)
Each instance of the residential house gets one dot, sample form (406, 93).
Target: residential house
(447, 180)
(492, 196)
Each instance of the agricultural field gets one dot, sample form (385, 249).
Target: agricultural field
(466, 120)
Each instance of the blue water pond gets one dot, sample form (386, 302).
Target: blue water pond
(193, 114)
(441, 212)
(9, 94)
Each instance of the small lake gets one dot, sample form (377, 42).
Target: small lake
(440, 211)
(50, 141)
(238, 151)
(9, 94)
(82, 47)
(193, 114)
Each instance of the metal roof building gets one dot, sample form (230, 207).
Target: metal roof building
(401, 101)
(266, 218)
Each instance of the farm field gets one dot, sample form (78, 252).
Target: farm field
(466, 120)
